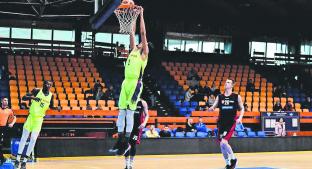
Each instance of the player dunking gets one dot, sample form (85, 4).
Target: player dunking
(228, 103)
(5, 114)
(131, 87)
(140, 119)
(41, 100)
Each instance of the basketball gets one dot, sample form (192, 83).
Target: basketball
(127, 2)
(10, 119)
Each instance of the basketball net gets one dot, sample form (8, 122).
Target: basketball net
(127, 17)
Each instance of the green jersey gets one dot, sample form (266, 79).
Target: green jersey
(38, 109)
(135, 65)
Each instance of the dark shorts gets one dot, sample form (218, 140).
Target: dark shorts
(226, 131)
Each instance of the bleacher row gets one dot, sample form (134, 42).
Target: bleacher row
(260, 100)
(209, 133)
(71, 77)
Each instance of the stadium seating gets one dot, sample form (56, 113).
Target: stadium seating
(260, 100)
(71, 77)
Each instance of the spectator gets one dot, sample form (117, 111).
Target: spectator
(96, 86)
(277, 106)
(192, 74)
(3, 73)
(307, 104)
(196, 96)
(207, 91)
(246, 108)
(200, 126)
(109, 93)
(152, 133)
(280, 128)
(188, 95)
(211, 100)
(288, 106)
(277, 92)
(213, 88)
(166, 132)
(190, 126)
(193, 83)
(152, 98)
(250, 86)
(99, 94)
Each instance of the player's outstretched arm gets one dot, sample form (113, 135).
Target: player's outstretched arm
(31, 95)
(132, 36)
(143, 35)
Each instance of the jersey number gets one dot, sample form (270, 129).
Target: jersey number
(41, 105)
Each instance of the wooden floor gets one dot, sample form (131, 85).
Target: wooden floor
(283, 160)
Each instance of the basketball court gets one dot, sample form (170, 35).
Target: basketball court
(278, 160)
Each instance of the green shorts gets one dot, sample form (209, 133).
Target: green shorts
(128, 88)
(33, 124)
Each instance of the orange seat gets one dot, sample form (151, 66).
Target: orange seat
(71, 96)
(68, 90)
(73, 103)
(101, 103)
(63, 103)
(61, 96)
(66, 84)
(92, 103)
(82, 103)
(110, 103)
(76, 108)
(75, 84)
(80, 96)
(77, 90)
(59, 89)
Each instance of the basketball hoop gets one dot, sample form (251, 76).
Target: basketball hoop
(127, 15)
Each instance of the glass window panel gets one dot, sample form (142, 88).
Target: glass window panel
(21, 33)
(42, 34)
(103, 37)
(64, 35)
(122, 39)
(4, 32)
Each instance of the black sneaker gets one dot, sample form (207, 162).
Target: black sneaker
(227, 167)
(23, 165)
(123, 149)
(233, 163)
(16, 164)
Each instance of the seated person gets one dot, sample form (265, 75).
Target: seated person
(190, 126)
(152, 133)
(288, 106)
(280, 128)
(277, 106)
(200, 126)
(240, 128)
(166, 132)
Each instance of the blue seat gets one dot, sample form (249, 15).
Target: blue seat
(202, 134)
(177, 104)
(158, 129)
(251, 134)
(183, 111)
(261, 134)
(241, 134)
(190, 134)
(186, 104)
(175, 92)
(194, 104)
(179, 134)
(172, 97)
(181, 97)
(7, 166)
(190, 110)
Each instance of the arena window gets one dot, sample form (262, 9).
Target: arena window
(42, 34)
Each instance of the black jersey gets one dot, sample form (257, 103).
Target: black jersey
(228, 106)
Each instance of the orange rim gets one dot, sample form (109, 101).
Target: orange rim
(123, 6)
